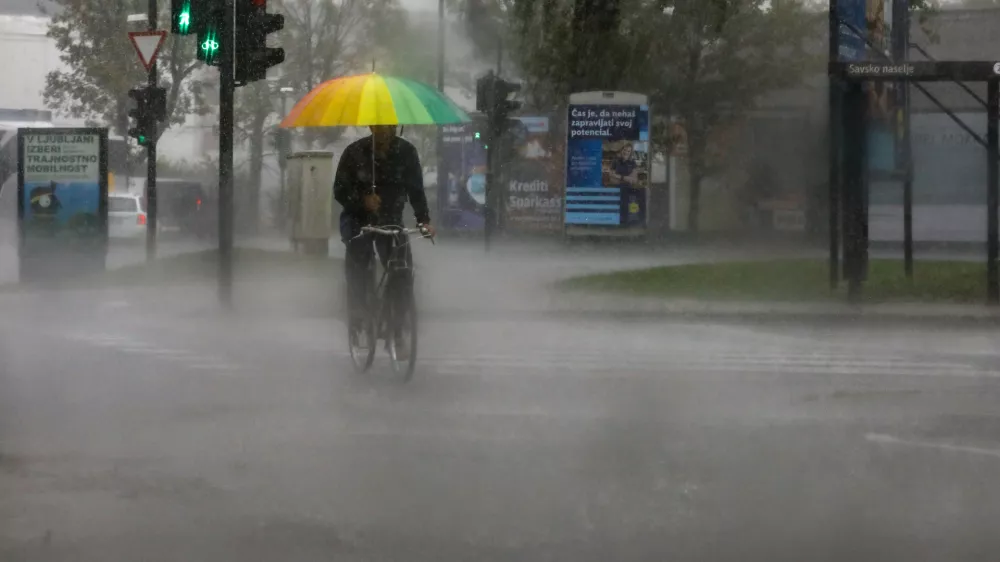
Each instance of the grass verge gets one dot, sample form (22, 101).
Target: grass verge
(794, 280)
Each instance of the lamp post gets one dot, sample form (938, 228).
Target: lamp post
(283, 145)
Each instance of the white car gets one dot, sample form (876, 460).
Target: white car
(126, 216)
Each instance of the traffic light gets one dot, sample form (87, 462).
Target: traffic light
(493, 99)
(150, 108)
(186, 16)
(140, 116)
(209, 42)
(156, 103)
(503, 106)
(253, 56)
(484, 92)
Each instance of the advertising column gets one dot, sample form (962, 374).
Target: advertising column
(607, 164)
(62, 201)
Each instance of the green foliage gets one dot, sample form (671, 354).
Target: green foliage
(101, 65)
(792, 280)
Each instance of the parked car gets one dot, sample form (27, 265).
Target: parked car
(126, 216)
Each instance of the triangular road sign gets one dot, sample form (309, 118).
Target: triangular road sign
(147, 44)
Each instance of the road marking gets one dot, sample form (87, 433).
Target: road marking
(134, 346)
(628, 364)
(891, 440)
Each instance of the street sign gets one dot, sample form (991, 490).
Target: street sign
(147, 45)
(917, 71)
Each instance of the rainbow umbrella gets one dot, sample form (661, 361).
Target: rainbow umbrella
(373, 99)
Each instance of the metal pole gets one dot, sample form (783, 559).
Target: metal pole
(499, 55)
(855, 147)
(151, 199)
(834, 125)
(285, 144)
(488, 211)
(497, 205)
(901, 52)
(992, 195)
(226, 92)
(442, 177)
(907, 186)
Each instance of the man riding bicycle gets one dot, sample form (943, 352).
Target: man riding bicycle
(375, 177)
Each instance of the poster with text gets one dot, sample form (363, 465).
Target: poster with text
(533, 178)
(462, 179)
(62, 191)
(607, 165)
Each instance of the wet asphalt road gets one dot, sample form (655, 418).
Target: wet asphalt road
(131, 431)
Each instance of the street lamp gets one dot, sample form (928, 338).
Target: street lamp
(284, 145)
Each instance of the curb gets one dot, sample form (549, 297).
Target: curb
(875, 313)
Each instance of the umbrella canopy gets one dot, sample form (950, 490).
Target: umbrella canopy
(373, 99)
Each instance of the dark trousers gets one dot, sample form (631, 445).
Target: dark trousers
(361, 273)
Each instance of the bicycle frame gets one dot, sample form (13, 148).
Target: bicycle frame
(393, 269)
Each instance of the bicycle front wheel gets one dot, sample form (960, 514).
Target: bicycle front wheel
(363, 341)
(403, 340)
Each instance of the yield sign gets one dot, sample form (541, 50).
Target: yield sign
(147, 45)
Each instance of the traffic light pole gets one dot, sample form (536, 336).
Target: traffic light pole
(227, 86)
(489, 209)
(151, 199)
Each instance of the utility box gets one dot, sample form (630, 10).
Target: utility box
(310, 200)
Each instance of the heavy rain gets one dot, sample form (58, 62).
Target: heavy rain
(685, 280)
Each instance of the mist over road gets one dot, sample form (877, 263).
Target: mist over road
(142, 424)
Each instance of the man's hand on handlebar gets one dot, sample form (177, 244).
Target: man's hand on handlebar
(427, 230)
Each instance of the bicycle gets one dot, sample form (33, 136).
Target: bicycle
(383, 318)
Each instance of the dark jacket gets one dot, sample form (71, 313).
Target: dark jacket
(398, 177)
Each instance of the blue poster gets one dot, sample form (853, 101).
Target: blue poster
(462, 181)
(607, 165)
(851, 42)
(62, 200)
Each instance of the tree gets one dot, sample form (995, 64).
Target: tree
(100, 65)
(254, 108)
(717, 60)
(409, 50)
(704, 61)
(324, 39)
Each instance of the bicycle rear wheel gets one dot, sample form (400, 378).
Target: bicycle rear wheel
(403, 338)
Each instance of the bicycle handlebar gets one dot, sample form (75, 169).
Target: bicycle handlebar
(396, 230)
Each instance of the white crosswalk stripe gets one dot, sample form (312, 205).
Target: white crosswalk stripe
(135, 346)
(629, 364)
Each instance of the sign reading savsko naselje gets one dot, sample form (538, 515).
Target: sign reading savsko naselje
(62, 184)
(607, 165)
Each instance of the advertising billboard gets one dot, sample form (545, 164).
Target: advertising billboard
(607, 161)
(462, 179)
(528, 178)
(62, 199)
(532, 178)
(883, 96)
(852, 14)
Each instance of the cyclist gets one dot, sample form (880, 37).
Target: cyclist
(375, 177)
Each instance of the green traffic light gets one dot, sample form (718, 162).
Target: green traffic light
(209, 47)
(184, 19)
(142, 139)
(477, 134)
